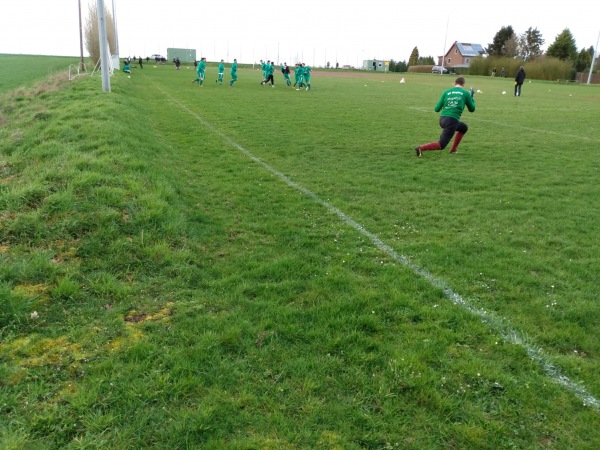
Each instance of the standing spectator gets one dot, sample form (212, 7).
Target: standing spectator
(502, 72)
(493, 72)
(519, 79)
(177, 63)
(140, 63)
(221, 72)
(233, 73)
(452, 104)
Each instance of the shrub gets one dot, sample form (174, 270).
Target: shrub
(542, 68)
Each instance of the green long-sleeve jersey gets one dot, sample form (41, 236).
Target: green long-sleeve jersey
(453, 101)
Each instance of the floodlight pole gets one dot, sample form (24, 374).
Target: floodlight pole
(593, 59)
(104, 57)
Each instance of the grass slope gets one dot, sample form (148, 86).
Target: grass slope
(161, 289)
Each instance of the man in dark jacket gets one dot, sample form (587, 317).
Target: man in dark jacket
(519, 78)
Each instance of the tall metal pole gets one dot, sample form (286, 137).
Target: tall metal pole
(593, 59)
(445, 41)
(114, 13)
(80, 37)
(104, 56)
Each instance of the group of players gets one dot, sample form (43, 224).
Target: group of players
(302, 74)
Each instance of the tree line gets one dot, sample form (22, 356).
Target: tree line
(525, 47)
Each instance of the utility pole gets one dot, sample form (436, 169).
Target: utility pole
(593, 60)
(114, 12)
(103, 41)
(81, 37)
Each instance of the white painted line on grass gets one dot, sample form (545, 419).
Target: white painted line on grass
(499, 325)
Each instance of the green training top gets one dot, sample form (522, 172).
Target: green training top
(453, 101)
(221, 68)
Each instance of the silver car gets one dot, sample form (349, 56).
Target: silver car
(439, 69)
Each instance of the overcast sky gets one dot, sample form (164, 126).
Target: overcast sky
(312, 31)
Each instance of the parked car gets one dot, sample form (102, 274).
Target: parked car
(439, 69)
(157, 57)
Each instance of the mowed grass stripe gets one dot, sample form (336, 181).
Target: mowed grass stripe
(498, 324)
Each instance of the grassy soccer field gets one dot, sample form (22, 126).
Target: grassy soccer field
(22, 71)
(256, 267)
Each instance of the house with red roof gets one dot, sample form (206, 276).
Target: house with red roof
(460, 54)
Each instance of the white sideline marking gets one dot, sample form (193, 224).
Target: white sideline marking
(508, 333)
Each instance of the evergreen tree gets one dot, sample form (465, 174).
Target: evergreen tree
(584, 59)
(401, 66)
(530, 44)
(414, 57)
(497, 47)
(564, 47)
(398, 66)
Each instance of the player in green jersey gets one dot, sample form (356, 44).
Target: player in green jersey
(451, 104)
(200, 71)
(221, 73)
(233, 73)
(298, 76)
(263, 68)
(269, 69)
(306, 75)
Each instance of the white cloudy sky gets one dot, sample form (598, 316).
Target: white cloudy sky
(313, 31)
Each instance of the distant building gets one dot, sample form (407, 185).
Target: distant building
(377, 65)
(460, 55)
(184, 54)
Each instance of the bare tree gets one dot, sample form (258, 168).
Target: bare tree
(530, 44)
(510, 46)
(92, 43)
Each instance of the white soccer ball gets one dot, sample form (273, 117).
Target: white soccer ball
(503, 92)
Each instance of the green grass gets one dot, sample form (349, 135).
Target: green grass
(25, 70)
(161, 289)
